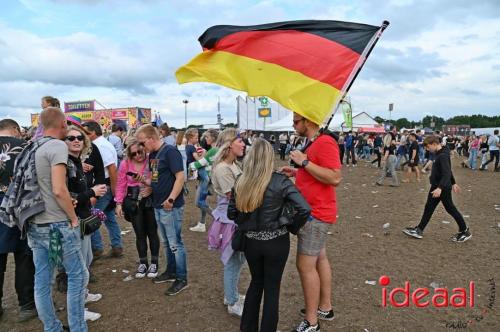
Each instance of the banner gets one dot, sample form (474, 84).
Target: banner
(143, 116)
(79, 106)
(121, 113)
(84, 116)
(347, 113)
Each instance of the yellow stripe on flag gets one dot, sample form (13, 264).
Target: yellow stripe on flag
(306, 96)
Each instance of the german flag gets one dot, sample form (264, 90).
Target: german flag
(304, 65)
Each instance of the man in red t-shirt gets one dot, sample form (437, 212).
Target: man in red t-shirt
(316, 179)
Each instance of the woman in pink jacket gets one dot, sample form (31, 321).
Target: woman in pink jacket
(133, 201)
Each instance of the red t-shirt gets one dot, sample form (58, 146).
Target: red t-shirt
(324, 152)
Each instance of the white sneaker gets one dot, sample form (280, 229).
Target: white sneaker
(141, 271)
(152, 271)
(93, 297)
(92, 316)
(198, 228)
(241, 298)
(236, 309)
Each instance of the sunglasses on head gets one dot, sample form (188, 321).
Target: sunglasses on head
(72, 138)
(135, 153)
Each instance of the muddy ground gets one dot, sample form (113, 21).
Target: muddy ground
(359, 252)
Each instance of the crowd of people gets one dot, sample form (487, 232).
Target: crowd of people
(65, 180)
(59, 185)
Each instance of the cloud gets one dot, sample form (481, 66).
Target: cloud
(83, 59)
(408, 65)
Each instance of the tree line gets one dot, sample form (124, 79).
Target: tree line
(475, 121)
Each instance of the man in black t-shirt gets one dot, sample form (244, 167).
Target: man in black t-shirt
(10, 147)
(167, 181)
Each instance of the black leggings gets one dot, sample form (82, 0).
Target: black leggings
(447, 201)
(145, 228)
(342, 152)
(379, 157)
(24, 277)
(266, 260)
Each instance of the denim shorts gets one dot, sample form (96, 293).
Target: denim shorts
(312, 237)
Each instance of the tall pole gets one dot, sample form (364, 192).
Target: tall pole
(185, 101)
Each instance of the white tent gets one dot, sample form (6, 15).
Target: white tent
(359, 120)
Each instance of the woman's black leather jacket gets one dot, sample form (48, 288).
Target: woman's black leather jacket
(269, 216)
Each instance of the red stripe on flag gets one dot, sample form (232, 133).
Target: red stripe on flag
(316, 57)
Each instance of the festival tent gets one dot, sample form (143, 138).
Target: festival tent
(359, 120)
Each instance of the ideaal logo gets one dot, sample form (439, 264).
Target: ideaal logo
(440, 297)
(422, 297)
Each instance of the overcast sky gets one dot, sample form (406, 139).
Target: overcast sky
(437, 57)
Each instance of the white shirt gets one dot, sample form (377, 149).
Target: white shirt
(108, 153)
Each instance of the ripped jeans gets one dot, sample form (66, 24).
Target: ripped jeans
(169, 230)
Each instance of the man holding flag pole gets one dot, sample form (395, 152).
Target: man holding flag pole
(307, 66)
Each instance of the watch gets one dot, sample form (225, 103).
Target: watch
(304, 163)
(170, 200)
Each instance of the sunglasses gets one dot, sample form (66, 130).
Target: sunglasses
(72, 138)
(297, 121)
(135, 153)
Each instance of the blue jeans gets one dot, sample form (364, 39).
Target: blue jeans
(232, 271)
(111, 224)
(169, 230)
(473, 158)
(366, 152)
(78, 276)
(202, 193)
(421, 153)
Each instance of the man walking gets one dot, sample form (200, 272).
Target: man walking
(106, 202)
(10, 237)
(319, 172)
(442, 184)
(167, 181)
(494, 147)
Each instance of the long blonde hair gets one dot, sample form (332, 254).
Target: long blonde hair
(87, 144)
(258, 167)
(224, 140)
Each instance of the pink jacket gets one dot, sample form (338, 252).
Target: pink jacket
(125, 181)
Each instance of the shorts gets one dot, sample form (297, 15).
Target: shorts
(312, 237)
(413, 163)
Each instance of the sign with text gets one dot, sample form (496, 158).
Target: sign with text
(79, 106)
(119, 113)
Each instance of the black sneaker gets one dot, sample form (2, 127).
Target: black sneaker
(462, 236)
(164, 277)
(177, 287)
(322, 314)
(413, 232)
(305, 326)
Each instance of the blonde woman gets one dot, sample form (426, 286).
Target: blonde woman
(260, 195)
(224, 173)
(79, 147)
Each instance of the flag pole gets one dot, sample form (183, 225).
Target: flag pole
(384, 25)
